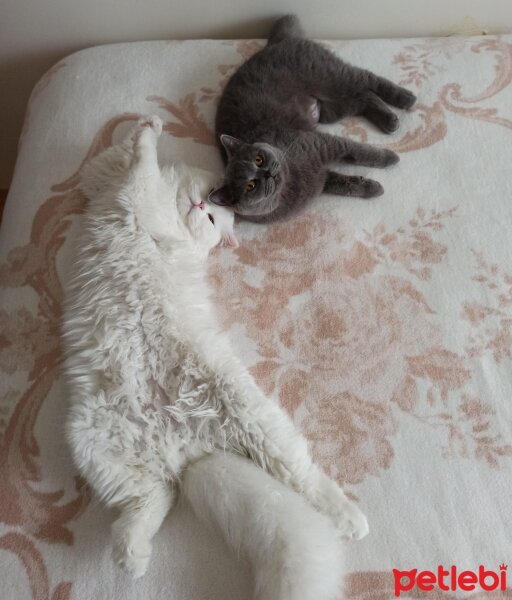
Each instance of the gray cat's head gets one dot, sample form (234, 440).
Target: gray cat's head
(255, 174)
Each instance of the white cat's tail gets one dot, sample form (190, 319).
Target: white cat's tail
(294, 551)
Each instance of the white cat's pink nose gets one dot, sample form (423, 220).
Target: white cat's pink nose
(201, 205)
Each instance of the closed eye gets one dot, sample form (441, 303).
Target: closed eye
(212, 220)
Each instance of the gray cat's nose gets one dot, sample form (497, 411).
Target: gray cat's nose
(268, 174)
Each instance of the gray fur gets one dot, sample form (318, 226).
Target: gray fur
(270, 107)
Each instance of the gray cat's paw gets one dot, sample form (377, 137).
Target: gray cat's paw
(370, 189)
(389, 158)
(390, 123)
(406, 99)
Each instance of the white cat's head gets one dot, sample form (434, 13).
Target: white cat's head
(207, 224)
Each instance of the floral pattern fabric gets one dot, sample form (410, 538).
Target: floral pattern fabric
(384, 327)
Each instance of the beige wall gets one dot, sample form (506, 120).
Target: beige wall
(34, 34)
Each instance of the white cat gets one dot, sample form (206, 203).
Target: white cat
(158, 399)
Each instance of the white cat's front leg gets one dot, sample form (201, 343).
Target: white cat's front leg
(274, 443)
(329, 499)
(145, 137)
(322, 492)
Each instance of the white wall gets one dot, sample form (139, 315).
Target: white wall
(34, 34)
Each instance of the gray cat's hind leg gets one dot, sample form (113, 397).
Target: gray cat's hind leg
(369, 101)
(393, 94)
(332, 111)
(347, 185)
(378, 112)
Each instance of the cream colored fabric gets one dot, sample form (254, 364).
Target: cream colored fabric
(383, 326)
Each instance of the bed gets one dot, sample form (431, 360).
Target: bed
(384, 327)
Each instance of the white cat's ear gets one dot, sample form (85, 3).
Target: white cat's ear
(224, 222)
(229, 240)
(231, 144)
(227, 234)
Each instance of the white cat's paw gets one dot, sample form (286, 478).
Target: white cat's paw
(351, 521)
(153, 122)
(330, 500)
(131, 554)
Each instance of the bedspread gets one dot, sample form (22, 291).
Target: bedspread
(384, 327)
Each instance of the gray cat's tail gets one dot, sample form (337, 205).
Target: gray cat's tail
(284, 28)
(294, 551)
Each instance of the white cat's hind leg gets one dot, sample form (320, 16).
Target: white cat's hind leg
(134, 530)
(118, 479)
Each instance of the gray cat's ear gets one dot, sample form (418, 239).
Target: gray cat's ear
(230, 143)
(221, 196)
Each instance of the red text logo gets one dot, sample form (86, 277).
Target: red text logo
(450, 579)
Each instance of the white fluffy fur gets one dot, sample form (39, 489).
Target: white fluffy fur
(294, 550)
(155, 386)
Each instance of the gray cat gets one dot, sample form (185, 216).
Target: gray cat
(266, 120)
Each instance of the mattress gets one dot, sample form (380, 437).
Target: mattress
(384, 327)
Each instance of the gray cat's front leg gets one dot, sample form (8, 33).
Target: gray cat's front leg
(337, 149)
(350, 185)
